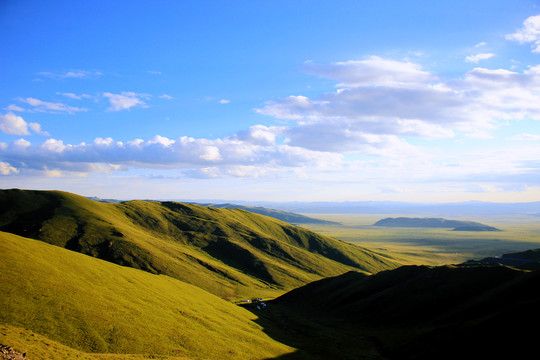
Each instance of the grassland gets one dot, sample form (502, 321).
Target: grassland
(229, 252)
(434, 246)
(140, 280)
(93, 306)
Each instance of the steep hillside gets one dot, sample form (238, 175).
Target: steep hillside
(91, 305)
(457, 225)
(228, 252)
(420, 312)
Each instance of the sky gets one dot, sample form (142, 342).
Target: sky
(422, 101)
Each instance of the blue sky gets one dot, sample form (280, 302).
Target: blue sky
(272, 100)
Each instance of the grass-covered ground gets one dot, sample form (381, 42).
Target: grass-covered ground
(435, 246)
(229, 252)
(94, 306)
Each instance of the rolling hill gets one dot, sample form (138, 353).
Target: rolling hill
(457, 225)
(421, 312)
(229, 252)
(59, 304)
(287, 216)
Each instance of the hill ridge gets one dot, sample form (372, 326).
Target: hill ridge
(230, 252)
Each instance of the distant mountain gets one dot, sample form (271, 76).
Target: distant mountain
(287, 216)
(229, 252)
(407, 208)
(457, 225)
(421, 312)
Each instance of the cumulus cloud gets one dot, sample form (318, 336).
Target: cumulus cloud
(478, 57)
(15, 125)
(373, 71)
(45, 106)
(125, 100)
(260, 135)
(7, 169)
(387, 98)
(529, 33)
(35, 127)
(184, 153)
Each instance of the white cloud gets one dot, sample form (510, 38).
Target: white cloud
(44, 106)
(525, 137)
(391, 98)
(480, 44)
(7, 169)
(260, 135)
(166, 97)
(53, 145)
(478, 57)
(125, 100)
(35, 127)
(373, 71)
(20, 144)
(529, 33)
(224, 101)
(76, 74)
(75, 96)
(13, 124)
(14, 107)
(184, 153)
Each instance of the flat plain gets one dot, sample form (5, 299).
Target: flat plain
(434, 246)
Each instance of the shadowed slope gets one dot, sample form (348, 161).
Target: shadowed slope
(419, 312)
(228, 252)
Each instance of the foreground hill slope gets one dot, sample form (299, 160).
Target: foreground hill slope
(91, 305)
(228, 252)
(421, 312)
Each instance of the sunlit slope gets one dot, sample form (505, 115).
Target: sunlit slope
(93, 305)
(38, 347)
(421, 312)
(228, 252)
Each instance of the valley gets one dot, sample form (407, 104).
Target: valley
(166, 280)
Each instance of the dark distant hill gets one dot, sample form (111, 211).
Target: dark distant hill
(287, 216)
(229, 252)
(457, 225)
(526, 260)
(421, 312)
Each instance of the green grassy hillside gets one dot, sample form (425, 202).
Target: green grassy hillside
(231, 253)
(421, 312)
(88, 305)
(287, 216)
